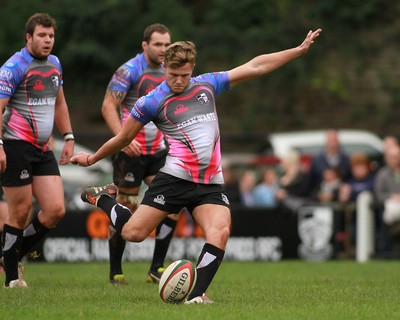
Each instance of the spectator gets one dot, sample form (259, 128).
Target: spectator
(362, 180)
(388, 143)
(331, 157)
(231, 181)
(294, 183)
(264, 193)
(328, 191)
(387, 192)
(247, 183)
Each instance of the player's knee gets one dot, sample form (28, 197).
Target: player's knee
(55, 214)
(133, 235)
(224, 234)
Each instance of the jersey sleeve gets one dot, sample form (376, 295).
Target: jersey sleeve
(139, 111)
(10, 77)
(219, 80)
(124, 77)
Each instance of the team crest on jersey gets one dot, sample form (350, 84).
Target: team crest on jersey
(55, 81)
(203, 99)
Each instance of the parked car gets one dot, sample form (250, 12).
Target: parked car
(313, 142)
(75, 178)
(309, 143)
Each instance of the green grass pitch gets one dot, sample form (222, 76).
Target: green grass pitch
(242, 290)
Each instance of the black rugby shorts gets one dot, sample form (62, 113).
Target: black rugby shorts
(24, 161)
(171, 194)
(129, 172)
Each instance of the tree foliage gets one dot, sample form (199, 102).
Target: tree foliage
(350, 77)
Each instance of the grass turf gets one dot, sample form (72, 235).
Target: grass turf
(242, 290)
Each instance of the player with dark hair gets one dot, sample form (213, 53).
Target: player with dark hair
(145, 155)
(184, 109)
(33, 98)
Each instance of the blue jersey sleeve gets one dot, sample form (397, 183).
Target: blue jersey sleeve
(10, 76)
(219, 80)
(125, 76)
(145, 109)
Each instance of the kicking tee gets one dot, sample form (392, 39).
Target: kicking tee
(189, 122)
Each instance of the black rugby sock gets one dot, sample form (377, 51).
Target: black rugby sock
(118, 214)
(207, 266)
(33, 233)
(116, 247)
(12, 238)
(164, 232)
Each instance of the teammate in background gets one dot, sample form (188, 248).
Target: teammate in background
(145, 155)
(33, 98)
(184, 109)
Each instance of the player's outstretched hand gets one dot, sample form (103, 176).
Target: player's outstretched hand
(311, 36)
(80, 159)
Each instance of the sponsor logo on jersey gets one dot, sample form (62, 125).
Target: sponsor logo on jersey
(6, 74)
(38, 86)
(180, 108)
(209, 117)
(5, 89)
(42, 101)
(150, 88)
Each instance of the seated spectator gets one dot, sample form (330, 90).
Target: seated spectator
(293, 184)
(231, 182)
(328, 191)
(264, 192)
(247, 183)
(331, 157)
(387, 192)
(362, 180)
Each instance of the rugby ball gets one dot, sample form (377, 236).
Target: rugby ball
(177, 281)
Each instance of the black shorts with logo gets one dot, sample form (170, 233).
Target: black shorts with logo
(129, 172)
(171, 194)
(24, 161)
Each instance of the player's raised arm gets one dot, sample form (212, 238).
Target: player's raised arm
(266, 63)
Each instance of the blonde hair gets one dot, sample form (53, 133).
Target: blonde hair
(180, 53)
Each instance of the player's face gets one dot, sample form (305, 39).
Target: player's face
(41, 42)
(154, 50)
(178, 78)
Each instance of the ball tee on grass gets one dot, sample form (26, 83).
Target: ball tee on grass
(177, 281)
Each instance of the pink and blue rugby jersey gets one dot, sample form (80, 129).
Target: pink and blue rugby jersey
(189, 122)
(137, 79)
(32, 86)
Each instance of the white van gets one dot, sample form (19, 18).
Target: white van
(312, 142)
